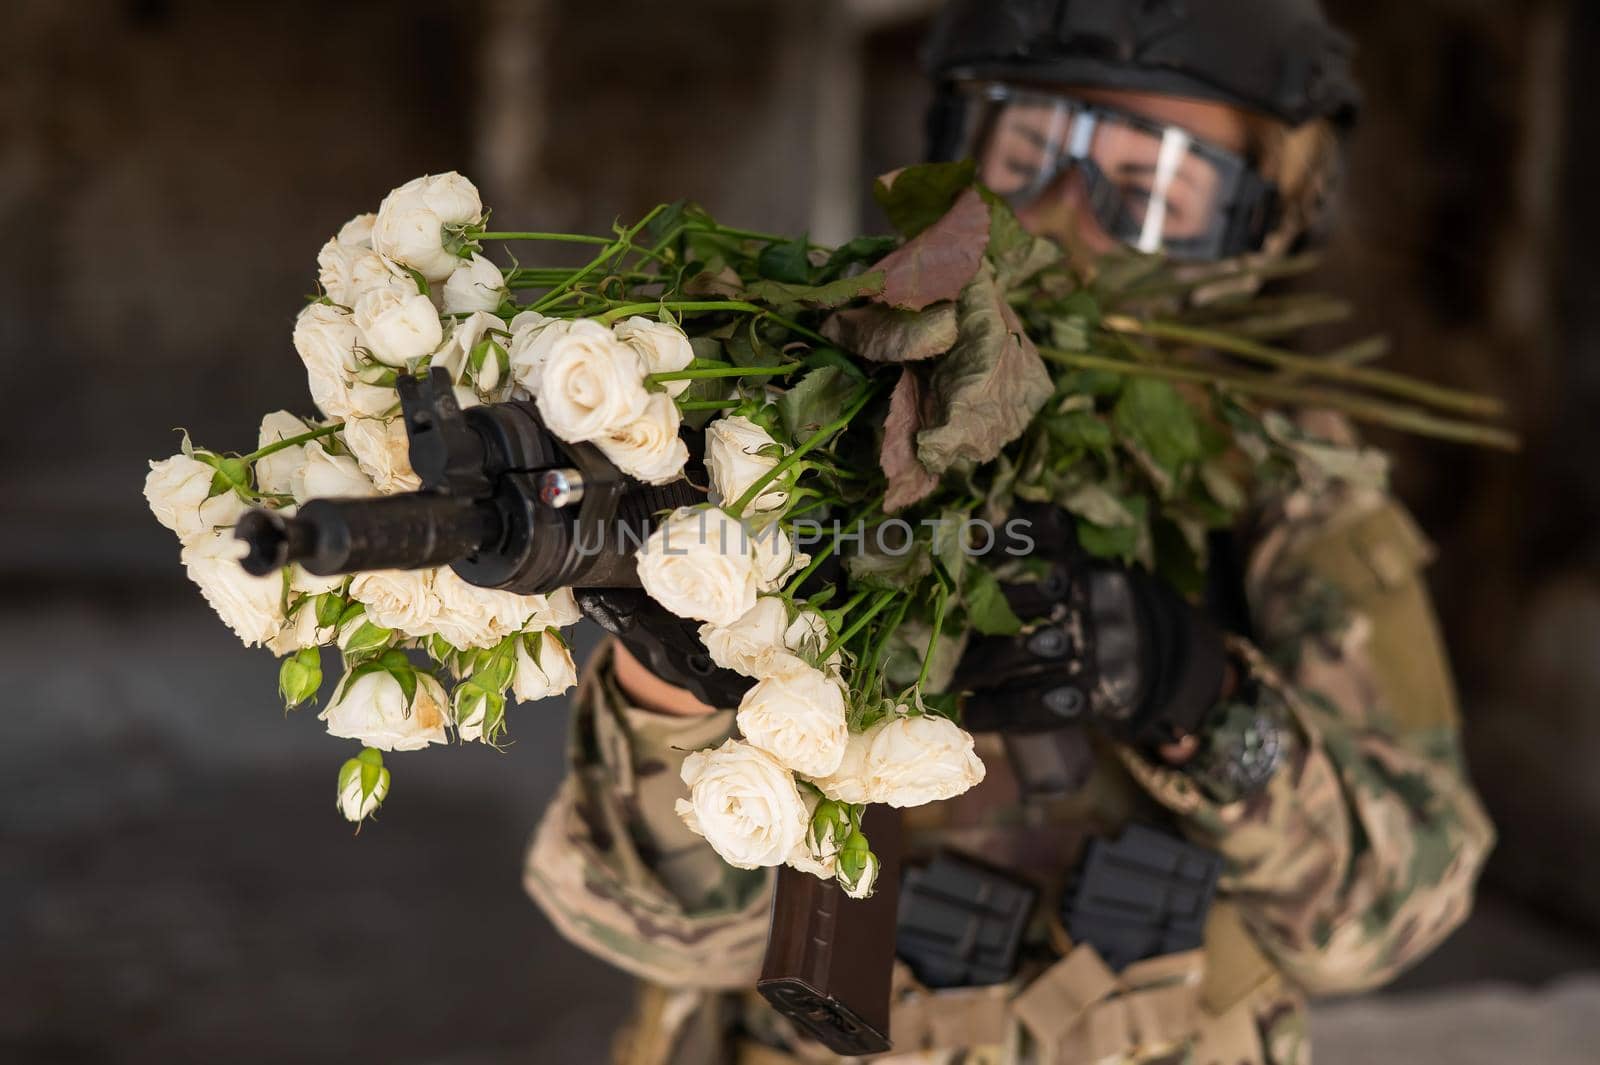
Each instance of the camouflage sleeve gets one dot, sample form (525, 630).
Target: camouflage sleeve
(1361, 853)
(616, 871)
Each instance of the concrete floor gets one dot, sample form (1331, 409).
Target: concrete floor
(176, 885)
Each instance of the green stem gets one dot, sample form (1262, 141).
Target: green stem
(856, 626)
(708, 404)
(292, 441)
(1380, 380)
(812, 442)
(881, 644)
(939, 603)
(692, 306)
(613, 249)
(838, 612)
(700, 373)
(823, 553)
(1369, 410)
(568, 238)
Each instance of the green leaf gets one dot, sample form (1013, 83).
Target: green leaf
(1122, 541)
(936, 264)
(950, 544)
(815, 400)
(1078, 429)
(1091, 383)
(918, 196)
(888, 334)
(786, 262)
(909, 481)
(1157, 419)
(784, 296)
(859, 250)
(329, 606)
(990, 385)
(880, 569)
(987, 609)
(1017, 254)
(368, 637)
(406, 677)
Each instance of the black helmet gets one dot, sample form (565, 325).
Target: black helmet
(1278, 57)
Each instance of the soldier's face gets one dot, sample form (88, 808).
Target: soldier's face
(1013, 157)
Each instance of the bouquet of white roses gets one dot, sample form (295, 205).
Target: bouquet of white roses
(910, 388)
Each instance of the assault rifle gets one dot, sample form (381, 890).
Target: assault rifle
(507, 505)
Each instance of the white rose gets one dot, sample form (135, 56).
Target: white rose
(358, 798)
(251, 606)
(648, 448)
(798, 717)
(776, 557)
(857, 869)
(357, 232)
(470, 616)
(277, 473)
(744, 803)
(662, 347)
(403, 600)
(373, 709)
(699, 564)
(410, 223)
(734, 458)
(849, 782)
(907, 761)
(326, 340)
(178, 490)
(327, 476)
(590, 384)
(558, 610)
(348, 272)
(475, 284)
(398, 327)
(383, 452)
(551, 673)
(748, 645)
(802, 859)
(462, 336)
(532, 335)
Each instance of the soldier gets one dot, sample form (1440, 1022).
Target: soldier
(1299, 729)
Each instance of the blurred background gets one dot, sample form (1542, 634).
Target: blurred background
(175, 884)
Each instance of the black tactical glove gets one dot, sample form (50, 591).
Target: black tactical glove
(667, 645)
(1118, 649)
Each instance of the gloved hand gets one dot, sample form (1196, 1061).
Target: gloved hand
(1118, 649)
(667, 645)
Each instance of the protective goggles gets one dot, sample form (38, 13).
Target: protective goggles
(1153, 187)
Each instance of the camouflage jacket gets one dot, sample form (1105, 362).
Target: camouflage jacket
(1357, 859)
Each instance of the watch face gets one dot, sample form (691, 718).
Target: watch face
(1243, 749)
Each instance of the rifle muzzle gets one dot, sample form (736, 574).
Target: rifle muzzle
(414, 530)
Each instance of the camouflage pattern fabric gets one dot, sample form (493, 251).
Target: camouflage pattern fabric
(1356, 860)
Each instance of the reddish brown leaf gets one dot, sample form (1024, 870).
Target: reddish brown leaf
(884, 334)
(937, 263)
(909, 480)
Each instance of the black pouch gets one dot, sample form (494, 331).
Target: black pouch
(961, 923)
(1143, 894)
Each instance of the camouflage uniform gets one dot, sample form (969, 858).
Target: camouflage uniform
(1356, 860)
